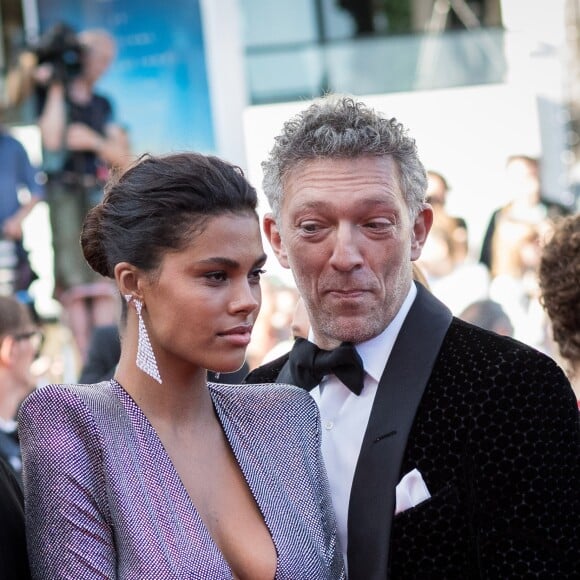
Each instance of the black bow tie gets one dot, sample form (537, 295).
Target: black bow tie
(309, 364)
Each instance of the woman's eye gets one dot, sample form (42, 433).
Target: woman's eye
(257, 274)
(216, 276)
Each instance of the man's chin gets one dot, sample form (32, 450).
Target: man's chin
(353, 329)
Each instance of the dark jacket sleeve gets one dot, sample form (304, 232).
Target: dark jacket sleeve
(13, 558)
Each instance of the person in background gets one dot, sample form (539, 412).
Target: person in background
(81, 141)
(514, 283)
(300, 323)
(489, 315)
(559, 279)
(17, 173)
(526, 204)
(19, 345)
(299, 327)
(436, 197)
(452, 452)
(272, 327)
(13, 556)
(158, 473)
(453, 278)
(103, 355)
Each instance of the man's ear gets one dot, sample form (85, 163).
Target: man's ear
(273, 234)
(421, 229)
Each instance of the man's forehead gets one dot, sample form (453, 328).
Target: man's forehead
(340, 165)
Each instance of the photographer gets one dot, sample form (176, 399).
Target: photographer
(81, 142)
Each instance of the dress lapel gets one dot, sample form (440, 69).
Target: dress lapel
(372, 500)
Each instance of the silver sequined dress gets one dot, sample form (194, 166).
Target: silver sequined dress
(103, 499)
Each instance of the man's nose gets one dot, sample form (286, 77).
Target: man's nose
(346, 253)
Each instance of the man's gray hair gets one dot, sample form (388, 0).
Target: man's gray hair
(338, 126)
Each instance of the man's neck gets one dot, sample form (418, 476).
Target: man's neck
(80, 91)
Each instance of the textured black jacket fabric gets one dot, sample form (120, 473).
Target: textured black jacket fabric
(496, 438)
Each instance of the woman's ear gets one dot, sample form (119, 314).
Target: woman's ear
(127, 277)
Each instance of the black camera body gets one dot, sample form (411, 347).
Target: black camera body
(61, 48)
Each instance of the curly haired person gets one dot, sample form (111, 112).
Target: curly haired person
(560, 287)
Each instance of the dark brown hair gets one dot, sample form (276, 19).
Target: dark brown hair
(559, 275)
(157, 205)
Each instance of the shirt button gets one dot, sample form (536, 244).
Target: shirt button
(328, 425)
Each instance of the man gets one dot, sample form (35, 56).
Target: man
(459, 458)
(81, 141)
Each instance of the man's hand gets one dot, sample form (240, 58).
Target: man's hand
(80, 137)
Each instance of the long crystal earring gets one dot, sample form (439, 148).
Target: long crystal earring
(145, 356)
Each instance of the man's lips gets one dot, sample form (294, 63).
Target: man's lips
(347, 292)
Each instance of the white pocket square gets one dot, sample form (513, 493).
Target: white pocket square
(410, 491)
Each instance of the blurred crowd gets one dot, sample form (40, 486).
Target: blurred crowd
(497, 285)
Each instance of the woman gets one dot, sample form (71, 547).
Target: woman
(157, 474)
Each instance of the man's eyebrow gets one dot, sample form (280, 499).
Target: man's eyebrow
(365, 202)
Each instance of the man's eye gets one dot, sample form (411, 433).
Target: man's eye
(378, 225)
(309, 227)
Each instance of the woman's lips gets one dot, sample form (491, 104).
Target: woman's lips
(238, 336)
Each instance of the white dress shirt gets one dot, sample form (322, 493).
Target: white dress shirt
(345, 416)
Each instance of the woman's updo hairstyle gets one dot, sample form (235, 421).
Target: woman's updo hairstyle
(159, 204)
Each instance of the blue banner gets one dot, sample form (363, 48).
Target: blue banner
(158, 82)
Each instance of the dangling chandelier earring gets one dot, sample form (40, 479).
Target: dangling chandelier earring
(145, 355)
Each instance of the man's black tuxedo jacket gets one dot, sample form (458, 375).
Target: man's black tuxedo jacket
(492, 425)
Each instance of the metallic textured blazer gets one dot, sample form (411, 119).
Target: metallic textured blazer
(103, 499)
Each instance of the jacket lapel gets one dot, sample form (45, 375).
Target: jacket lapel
(276, 371)
(285, 375)
(372, 500)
